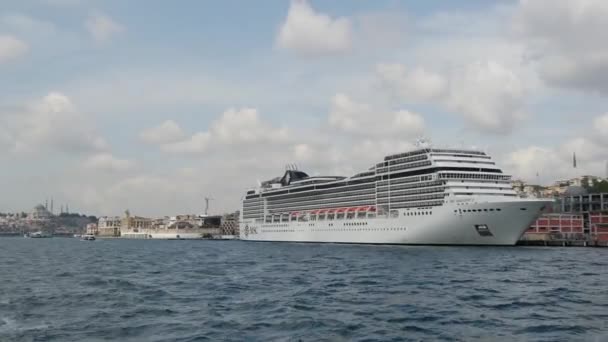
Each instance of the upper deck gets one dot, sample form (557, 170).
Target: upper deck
(465, 163)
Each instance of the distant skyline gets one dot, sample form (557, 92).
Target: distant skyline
(153, 105)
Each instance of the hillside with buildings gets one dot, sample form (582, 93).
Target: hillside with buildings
(41, 218)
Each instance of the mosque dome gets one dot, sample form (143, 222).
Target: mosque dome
(40, 213)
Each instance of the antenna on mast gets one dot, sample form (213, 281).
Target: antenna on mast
(207, 199)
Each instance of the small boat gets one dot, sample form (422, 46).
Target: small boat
(38, 234)
(77, 235)
(88, 237)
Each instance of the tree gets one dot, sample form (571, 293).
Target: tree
(599, 186)
(585, 183)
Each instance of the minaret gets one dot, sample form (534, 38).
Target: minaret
(574, 160)
(46, 204)
(67, 209)
(207, 199)
(52, 212)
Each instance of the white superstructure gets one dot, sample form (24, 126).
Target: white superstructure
(426, 196)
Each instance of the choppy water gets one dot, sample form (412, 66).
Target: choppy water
(132, 290)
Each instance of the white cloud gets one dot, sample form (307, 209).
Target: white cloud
(527, 162)
(566, 39)
(553, 163)
(241, 127)
(11, 48)
(107, 162)
(167, 132)
(102, 27)
(52, 123)
(415, 85)
(62, 2)
(600, 125)
(488, 95)
(310, 33)
(360, 118)
(304, 152)
(21, 23)
(197, 143)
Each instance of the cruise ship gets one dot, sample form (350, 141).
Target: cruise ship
(427, 196)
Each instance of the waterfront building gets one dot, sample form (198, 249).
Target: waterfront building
(578, 200)
(599, 226)
(585, 180)
(109, 226)
(556, 226)
(136, 223)
(92, 229)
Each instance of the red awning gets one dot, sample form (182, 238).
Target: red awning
(341, 210)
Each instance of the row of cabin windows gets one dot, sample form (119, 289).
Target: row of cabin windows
(480, 156)
(417, 213)
(409, 186)
(476, 210)
(357, 229)
(503, 194)
(329, 203)
(459, 153)
(323, 196)
(410, 198)
(252, 205)
(407, 192)
(416, 204)
(328, 185)
(406, 160)
(472, 176)
(414, 179)
(324, 187)
(319, 217)
(506, 188)
(464, 161)
(335, 230)
(409, 166)
(341, 188)
(405, 154)
(402, 160)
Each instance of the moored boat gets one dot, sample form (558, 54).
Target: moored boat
(425, 196)
(38, 234)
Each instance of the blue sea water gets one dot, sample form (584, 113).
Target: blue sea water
(64, 289)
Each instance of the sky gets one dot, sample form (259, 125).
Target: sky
(108, 105)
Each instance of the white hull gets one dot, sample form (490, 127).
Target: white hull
(163, 235)
(177, 236)
(450, 224)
